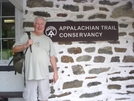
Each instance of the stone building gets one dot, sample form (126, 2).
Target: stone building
(90, 70)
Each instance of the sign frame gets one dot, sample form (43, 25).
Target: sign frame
(82, 31)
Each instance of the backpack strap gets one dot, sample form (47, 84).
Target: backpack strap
(29, 36)
(10, 62)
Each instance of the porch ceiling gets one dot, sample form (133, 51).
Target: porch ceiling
(18, 4)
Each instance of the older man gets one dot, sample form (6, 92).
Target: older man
(37, 62)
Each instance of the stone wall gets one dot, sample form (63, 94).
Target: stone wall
(90, 71)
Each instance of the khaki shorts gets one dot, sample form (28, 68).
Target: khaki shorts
(36, 90)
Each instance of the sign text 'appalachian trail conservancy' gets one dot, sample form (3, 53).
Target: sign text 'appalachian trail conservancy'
(82, 31)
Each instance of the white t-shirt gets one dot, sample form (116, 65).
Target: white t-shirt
(37, 61)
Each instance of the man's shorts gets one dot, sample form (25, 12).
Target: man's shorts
(36, 90)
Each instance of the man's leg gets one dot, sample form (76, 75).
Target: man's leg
(30, 91)
(43, 90)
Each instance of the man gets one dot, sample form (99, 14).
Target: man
(37, 62)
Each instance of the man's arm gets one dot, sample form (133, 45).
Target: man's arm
(19, 48)
(53, 63)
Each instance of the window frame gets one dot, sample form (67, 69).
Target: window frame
(18, 31)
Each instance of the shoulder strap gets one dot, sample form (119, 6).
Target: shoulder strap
(10, 62)
(29, 36)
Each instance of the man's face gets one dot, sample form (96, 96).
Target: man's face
(39, 26)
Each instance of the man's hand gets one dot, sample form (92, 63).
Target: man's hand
(55, 77)
(29, 42)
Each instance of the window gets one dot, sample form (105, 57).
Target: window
(7, 30)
